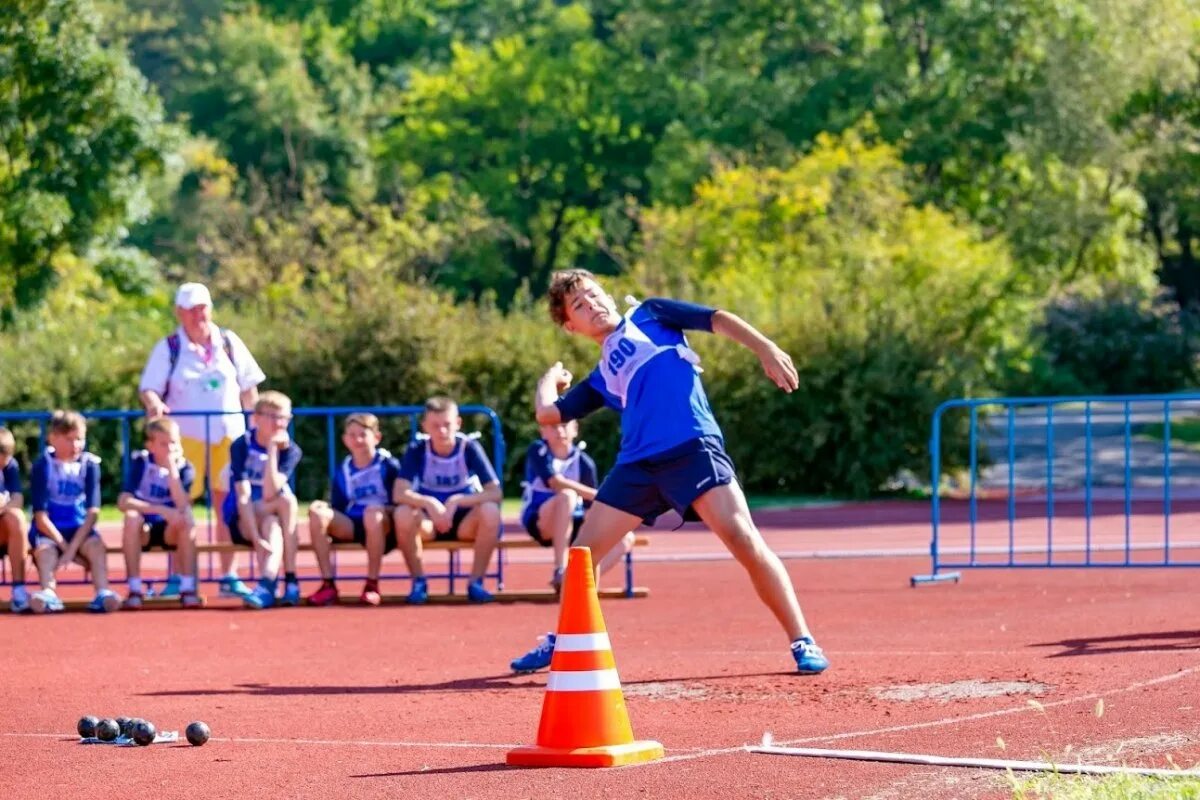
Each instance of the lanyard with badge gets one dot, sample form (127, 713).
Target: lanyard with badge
(213, 378)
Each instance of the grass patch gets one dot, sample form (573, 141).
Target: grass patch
(1105, 787)
(1185, 432)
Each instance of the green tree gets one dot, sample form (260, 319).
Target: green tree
(79, 130)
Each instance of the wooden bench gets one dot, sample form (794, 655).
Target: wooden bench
(454, 573)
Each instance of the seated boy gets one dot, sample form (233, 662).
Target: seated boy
(447, 490)
(12, 520)
(158, 510)
(360, 509)
(65, 484)
(261, 510)
(560, 483)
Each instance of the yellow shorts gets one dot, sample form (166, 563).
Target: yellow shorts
(218, 463)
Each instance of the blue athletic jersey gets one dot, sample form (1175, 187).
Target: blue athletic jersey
(541, 465)
(248, 462)
(465, 471)
(149, 482)
(355, 488)
(10, 478)
(65, 490)
(651, 377)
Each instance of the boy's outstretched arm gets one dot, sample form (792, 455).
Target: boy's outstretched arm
(776, 363)
(556, 380)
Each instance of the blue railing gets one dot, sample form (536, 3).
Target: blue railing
(1062, 482)
(125, 418)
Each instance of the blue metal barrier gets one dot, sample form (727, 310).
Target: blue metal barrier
(1062, 482)
(124, 418)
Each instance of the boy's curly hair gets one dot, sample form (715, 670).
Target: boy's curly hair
(561, 285)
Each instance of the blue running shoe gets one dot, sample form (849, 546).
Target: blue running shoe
(810, 659)
(20, 600)
(106, 600)
(262, 597)
(537, 658)
(419, 594)
(232, 586)
(291, 594)
(477, 594)
(170, 588)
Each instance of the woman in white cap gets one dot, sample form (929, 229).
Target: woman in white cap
(201, 367)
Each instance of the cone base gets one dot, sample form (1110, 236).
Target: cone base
(614, 755)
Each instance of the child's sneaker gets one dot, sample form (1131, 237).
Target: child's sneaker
(537, 658)
(232, 586)
(190, 600)
(327, 595)
(810, 659)
(133, 602)
(370, 594)
(263, 596)
(19, 604)
(477, 594)
(419, 594)
(170, 588)
(45, 602)
(291, 593)
(106, 600)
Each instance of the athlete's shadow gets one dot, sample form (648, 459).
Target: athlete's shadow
(1125, 643)
(506, 681)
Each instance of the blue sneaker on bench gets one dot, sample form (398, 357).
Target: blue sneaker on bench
(537, 658)
(419, 593)
(262, 597)
(477, 594)
(810, 658)
(170, 589)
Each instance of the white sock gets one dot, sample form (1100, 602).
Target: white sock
(187, 583)
(135, 585)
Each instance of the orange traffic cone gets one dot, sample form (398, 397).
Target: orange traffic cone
(584, 721)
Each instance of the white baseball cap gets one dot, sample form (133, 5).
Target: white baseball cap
(191, 295)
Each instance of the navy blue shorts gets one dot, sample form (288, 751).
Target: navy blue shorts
(360, 535)
(530, 520)
(158, 533)
(67, 533)
(669, 480)
(452, 534)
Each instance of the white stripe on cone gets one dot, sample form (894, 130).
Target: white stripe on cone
(595, 680)
(581, 642)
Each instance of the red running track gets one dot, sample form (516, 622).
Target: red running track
(387, 702)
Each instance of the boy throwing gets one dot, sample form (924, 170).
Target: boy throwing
(672, 451)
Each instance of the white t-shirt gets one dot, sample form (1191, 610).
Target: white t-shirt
(204, 380)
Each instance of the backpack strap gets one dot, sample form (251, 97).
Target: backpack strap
(174, 347)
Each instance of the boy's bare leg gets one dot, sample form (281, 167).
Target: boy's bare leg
(556, 518)
(46, 559)
(131, 543)
(408, 522)
(375, 521)
(271, 556)
(228, 559)
(181, 534)
(94, 553)
(320, 515)
(287, 512)
(12, 531)
(614, 556)
(723, 509)
(481, 526)
(603, 527)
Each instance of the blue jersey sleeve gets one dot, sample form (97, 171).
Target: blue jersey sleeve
(587, 471)
(289, 459)
(12, 477)
(581, 400)
(187, 477)
(133, 475)
(337, 492)
(91, 481)
(414, 462)
(391, 471)
(679, 314)
(237, 460)
(539, 463)
(39, 480)
(479, 464)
